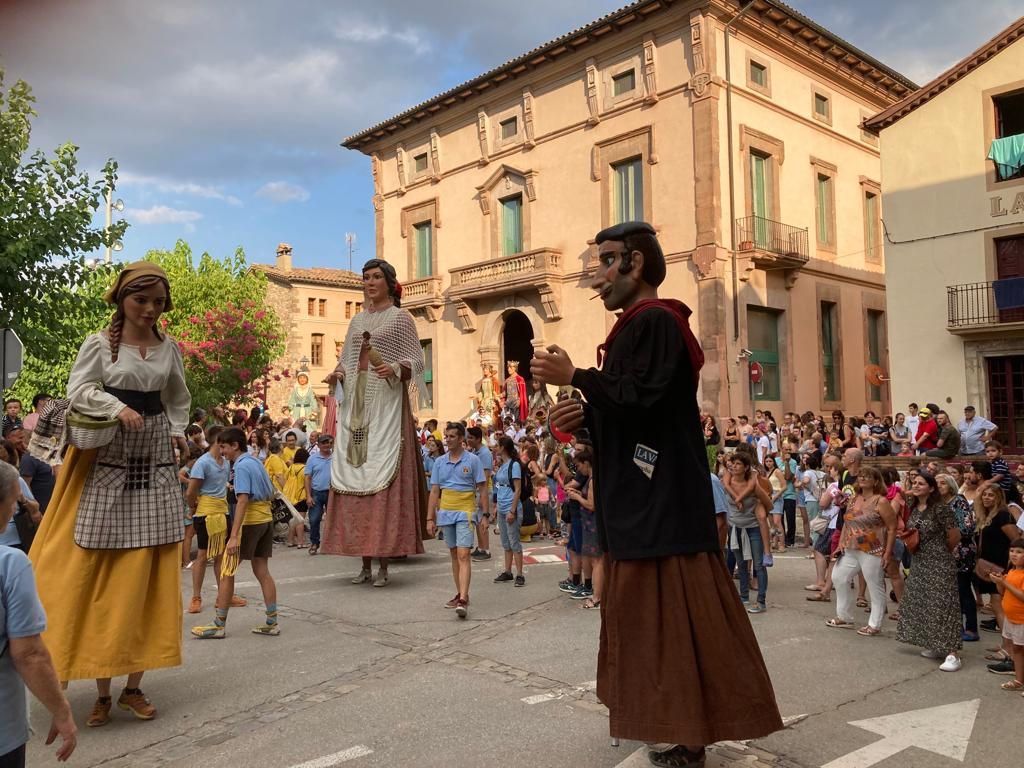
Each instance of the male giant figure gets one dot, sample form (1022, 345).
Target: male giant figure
(678, 661)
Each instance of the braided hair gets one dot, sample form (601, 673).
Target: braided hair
(117, 321)
(394, 287)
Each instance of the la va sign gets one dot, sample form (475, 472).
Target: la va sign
(997, 205)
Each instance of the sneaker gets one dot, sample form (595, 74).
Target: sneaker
(461, 608)
(137, 704)
(989, 625)
(567, 585)
(238, 602)
(1001, 668)
(475, 552)
(481, 555)
(363, 577)
(100, 714)
(582, 593)
(930, 654)
(676, 756)
(267, 629)
(453, 602)
(951, 664)
(757, 608)
(195, 605)
(503, 576)
(520, 581)
(209, 632)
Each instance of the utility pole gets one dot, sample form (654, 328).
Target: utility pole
(112, 205)
(350, 240)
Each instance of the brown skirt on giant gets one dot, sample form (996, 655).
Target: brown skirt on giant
(679, 662)
(386, 524)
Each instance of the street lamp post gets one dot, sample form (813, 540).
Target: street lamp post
(112, 205)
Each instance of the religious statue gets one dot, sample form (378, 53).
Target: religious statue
(302, 401)
(487, 400)
(515, 393)
(540, 399)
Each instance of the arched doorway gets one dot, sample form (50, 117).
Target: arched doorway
(516, 343)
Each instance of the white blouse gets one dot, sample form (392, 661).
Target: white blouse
(161, 369)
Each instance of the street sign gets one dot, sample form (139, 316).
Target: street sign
(944, 730)
(11, 357)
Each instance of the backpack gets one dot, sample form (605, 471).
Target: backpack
(525, 481)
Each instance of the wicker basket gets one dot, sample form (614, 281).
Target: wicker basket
(88, 432)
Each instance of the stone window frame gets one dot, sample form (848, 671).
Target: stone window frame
(497, 118)
(817, 90)
(428, 210)
(869, 186)
(420, 150)
(867, 136)
(753, 58)
(609, 72)
(833, 294)
(752, 139)
(988, 110)
(626, 146)
(1001, 233)
(516, 182)
(821, 167)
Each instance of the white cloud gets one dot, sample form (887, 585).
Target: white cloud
(283, 192)
(361, 32)
(162, 214)
(205, 191)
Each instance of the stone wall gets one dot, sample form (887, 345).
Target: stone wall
(284, 301)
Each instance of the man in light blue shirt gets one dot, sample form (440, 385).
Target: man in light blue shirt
(481, 518)
(975, 431)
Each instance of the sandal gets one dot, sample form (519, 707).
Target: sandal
(838, 623)
(862, 602)
(1012, 685)
(819, 598)
(868, 631)
(894, 616)
(313, 549)
(999, 655)
(812, 588)
(589, 603)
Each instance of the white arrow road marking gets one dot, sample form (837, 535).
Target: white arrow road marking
(337, 758)
(944, 730)
(540, 698)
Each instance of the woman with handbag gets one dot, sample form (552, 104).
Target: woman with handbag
(930, 611)
(107, 553)
(996, 529)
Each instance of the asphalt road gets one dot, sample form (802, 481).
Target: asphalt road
(387, 677)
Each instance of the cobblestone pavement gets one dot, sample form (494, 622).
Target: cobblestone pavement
(387, 677)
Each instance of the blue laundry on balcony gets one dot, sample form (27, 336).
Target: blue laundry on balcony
(1008, 155)
(1009, 293)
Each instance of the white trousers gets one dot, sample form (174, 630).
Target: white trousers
(852, 562)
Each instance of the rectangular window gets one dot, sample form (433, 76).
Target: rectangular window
(428, 369)
(359, 307)
(872, 228)
(628, 191)
(1009, 114)
(316, 350)
(424, 244)
(322, 307)
(310, 306)
(512, 225)
(624, 82)
(509, 128)
(760, 197)
(758, 74)
(763, 341)
(829, 347)
(420, 163)
(348, 310)
(824, 209)
(822, 107)
(876, 324)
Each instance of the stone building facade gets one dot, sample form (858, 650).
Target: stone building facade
(315, 306)
(743, 147)
(955, 229)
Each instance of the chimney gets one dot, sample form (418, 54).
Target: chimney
(284, 257)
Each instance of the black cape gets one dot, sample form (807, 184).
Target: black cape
(651, 476)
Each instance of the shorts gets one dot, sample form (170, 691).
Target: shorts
(458, 534)
(202, 537)
(479, 517)
(576, 533)
(1013, 632)
(510, 541)
(257, 541)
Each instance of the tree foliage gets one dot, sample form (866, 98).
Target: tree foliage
(228, 336)
(46, 228)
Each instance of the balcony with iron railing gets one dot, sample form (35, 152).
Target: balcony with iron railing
(772, 244)
(979, 308)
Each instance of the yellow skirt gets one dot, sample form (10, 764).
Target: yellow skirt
(109, 612)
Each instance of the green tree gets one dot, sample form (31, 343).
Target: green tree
(228, 336)
(46, 227)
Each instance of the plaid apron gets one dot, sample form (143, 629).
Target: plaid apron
(132, 497)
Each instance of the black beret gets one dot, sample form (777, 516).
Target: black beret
(623, 230)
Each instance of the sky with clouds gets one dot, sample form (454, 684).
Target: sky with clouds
(226, 117)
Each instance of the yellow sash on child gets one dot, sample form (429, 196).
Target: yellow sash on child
(254, 509)
(215, 512)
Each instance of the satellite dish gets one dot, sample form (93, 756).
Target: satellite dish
(875, 375)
